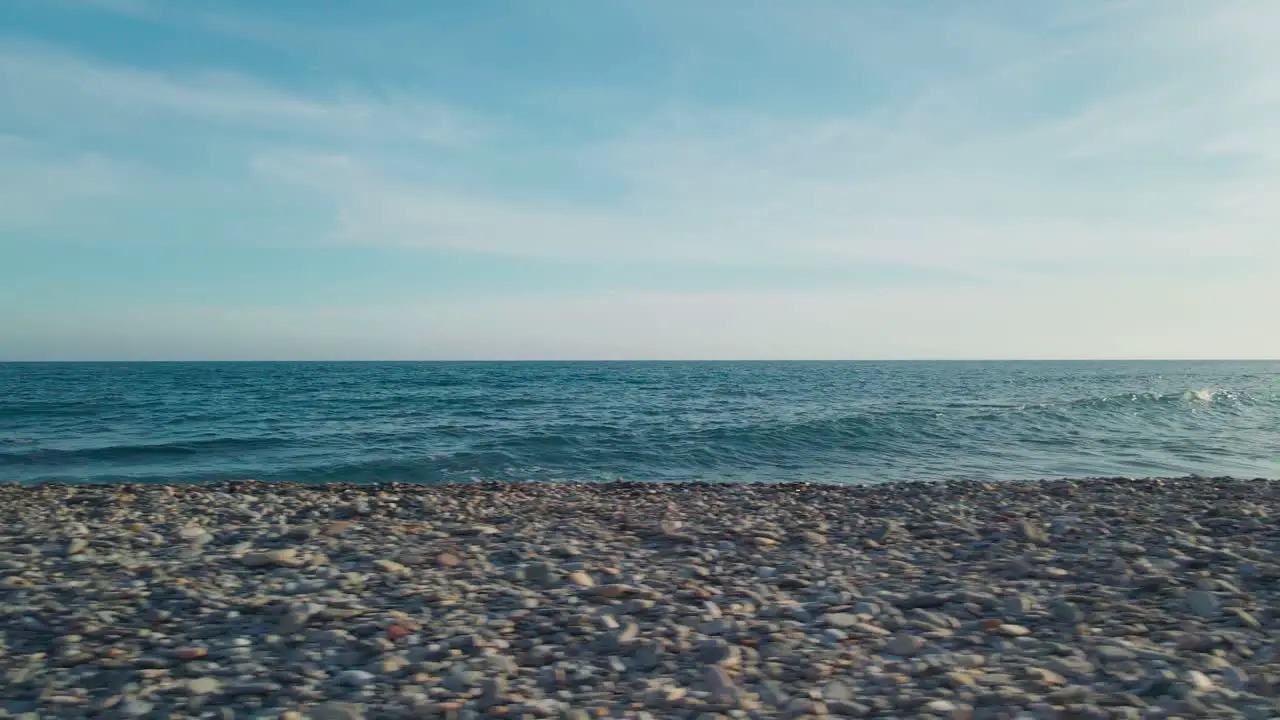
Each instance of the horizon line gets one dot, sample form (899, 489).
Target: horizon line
(55, 361)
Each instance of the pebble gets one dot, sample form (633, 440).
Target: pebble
(1018, 605)
(294, 621)
(1032, 531)
(720, 686)
(718, 652)
(841, 620)
(1246, 618)
(904, 644)
(940, 707)
(285, 558)
(1066, 612)
(1043, 676)
(190, 653)
(204, 686)
(356, 678)
(1235, 678)
(337, 711)
(390, 566)
(135, 708)
(1109, 653)
(1199, 681)
(837, 691)
(1203, 603)
(251, 601)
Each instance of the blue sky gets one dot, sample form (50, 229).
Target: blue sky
(638, 179)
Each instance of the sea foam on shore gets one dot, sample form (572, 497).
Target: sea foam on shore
(1097, 598)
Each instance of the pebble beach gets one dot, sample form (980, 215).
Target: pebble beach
(1155, 598)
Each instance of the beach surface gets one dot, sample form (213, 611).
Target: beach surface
(1064, 599)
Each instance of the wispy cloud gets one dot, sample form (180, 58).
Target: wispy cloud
(58, 88)
(1182, 148)
(1102, 175)
(127, 8)
(1175, 158)
(40, 186)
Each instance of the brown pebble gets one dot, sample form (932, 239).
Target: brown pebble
(609, 591)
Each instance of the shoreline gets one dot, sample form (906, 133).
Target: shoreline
(1058, 598)
(237, 482)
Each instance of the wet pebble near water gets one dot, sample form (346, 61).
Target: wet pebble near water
(1065, 599)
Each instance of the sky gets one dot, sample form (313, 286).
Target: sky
(639, 179)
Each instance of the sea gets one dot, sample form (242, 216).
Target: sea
(822, 422)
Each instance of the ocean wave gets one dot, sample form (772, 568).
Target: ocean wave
(42, 408)
(456, 422)
(1201, 396)
(138, 452)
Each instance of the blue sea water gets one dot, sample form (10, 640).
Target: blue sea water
(842, 422)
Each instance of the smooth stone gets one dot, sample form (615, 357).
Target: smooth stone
(610, 591)
(494, 690)
(1235, 678)
(1245, 618)
(1032, 531)
(541, 573)
(460, 679)
(1018, 605)
(841, 620)
(337, 711)
(1066, 612)
(204, 686)
(720, 685)
(1199, 681)
(904, 645)
(1013, 630)
(837, 691)
(1110, 653)
(719, 653)
(941, 707)
(286, 557)
(135, 708)
(1044, 676)
(294, 621)
(870, 629)
(619, 639)
(356, 678)
(1203, 603)
(772, 693)
(390, 566)
(885, 530)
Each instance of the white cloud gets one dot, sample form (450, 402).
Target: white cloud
(1166, 156)
(41, 186)
(57, 88)
(1177, 160)
(131, 8)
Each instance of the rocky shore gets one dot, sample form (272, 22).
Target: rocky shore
(1067, 599)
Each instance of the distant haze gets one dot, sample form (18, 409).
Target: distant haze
(639, 179)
